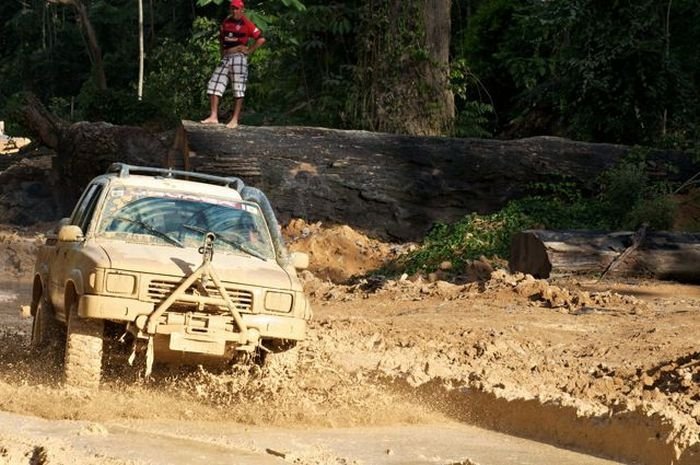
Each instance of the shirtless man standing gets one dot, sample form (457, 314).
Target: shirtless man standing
(236, 32)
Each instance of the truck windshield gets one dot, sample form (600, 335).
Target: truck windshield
(181, 220)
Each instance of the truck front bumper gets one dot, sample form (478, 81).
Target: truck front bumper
(204, 325)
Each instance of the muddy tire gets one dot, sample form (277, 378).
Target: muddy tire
(46, 331)
(84, 344)
(282, 359)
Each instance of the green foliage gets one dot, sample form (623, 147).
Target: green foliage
(296, 4)
(560, 205)
(470, 238)
(302, 75)
(180, 70)
(12, 111)
(472, 113)
(630, 199)
(598, 71)
(124, 108)
(590, 70)
(625, 200)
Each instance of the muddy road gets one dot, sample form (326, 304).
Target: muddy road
(325, 417)
(501, 370)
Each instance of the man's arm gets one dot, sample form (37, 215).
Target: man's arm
(257, 44)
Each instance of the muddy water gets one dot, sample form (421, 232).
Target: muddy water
(12, 296)
(181, 443)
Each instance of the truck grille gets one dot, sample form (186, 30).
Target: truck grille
(159, 290)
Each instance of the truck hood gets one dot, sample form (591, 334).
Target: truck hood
(178, 262)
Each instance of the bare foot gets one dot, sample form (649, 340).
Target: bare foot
(210, 120)
(233, 124)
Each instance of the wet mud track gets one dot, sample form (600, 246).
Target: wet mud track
(409, 378)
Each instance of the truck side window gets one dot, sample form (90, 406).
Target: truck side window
(83, 213)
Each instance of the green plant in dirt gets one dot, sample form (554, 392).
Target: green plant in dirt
(560, 205)
(470, 238)
(626, 199)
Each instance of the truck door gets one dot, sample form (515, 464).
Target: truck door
(64, 255)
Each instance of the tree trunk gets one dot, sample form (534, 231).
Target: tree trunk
(139, 93)
(663, 255)
(402, 80)
(438, 26)
(92, 44)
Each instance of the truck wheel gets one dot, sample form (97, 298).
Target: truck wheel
(45, 329)
(283, 359)
(84, 342)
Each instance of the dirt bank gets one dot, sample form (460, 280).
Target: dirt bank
(609, 368)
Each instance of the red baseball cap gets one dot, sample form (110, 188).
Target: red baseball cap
(237, 3)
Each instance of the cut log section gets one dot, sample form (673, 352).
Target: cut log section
(663, 255)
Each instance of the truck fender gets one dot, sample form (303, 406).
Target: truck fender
(76, 278)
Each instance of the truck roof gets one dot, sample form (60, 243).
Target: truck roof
(181, 185)
(182, 181)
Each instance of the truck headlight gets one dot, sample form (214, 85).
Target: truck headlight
(278, 301)
(120, 283)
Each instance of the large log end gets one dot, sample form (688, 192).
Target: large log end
(529, 255)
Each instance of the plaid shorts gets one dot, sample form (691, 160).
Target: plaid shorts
(233, 67)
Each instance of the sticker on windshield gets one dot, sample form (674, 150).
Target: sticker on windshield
(251, 209)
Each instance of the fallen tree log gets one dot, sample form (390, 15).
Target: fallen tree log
(398, 186)
(86, 149)
(663, 255)
(387, 185)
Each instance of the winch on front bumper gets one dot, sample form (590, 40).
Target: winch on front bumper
(198, 315)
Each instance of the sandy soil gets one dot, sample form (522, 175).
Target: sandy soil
(611, 369)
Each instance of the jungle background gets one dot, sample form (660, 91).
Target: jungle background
(616, 72)
(619, 71)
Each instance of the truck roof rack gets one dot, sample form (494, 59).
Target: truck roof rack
(125, 170)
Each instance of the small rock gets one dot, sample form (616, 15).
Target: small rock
(696, 412)
(25, 311)
(647, 380)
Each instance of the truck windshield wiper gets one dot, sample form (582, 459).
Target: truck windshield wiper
(233, 243)
(150, 229)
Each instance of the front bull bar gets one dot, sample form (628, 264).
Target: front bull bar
(204, 273)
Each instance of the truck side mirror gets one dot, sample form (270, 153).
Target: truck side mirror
(300, 260)
(70, 233)
(54, 232)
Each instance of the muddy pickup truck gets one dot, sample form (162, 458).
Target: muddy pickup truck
(180, 267)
